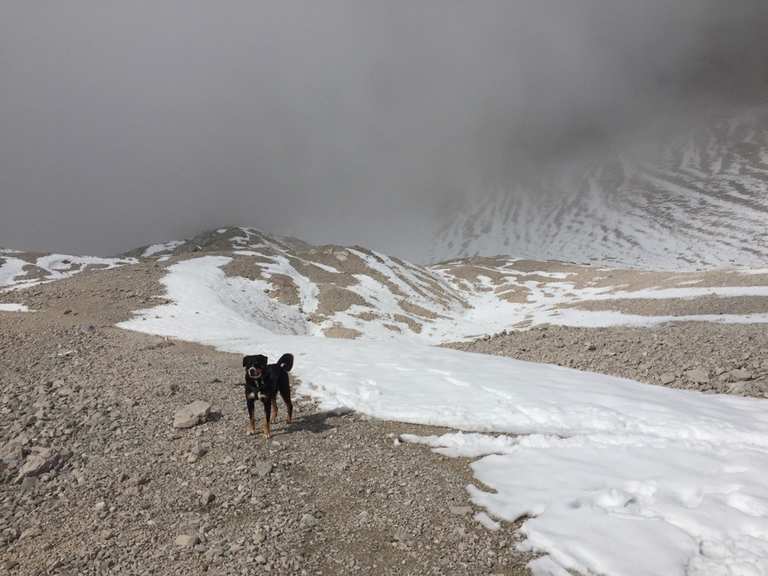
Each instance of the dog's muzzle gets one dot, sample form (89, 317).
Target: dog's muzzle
(252, 372)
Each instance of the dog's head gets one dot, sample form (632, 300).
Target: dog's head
(254, 365)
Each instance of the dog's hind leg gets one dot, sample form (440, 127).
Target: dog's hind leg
(285, 394)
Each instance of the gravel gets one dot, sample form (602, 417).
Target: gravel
(715, 358)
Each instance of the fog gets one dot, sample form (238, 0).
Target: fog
(124, 123)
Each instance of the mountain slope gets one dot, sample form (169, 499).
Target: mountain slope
(703, 202)
(291, 287)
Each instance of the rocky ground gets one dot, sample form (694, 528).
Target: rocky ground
(718, 358)
(94, 478)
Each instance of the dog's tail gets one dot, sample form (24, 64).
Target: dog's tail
(286, 362)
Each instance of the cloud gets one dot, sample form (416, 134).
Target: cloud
(339, 121)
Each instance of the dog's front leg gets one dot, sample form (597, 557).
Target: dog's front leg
(267, 428)
(251, 417)
(274, 407)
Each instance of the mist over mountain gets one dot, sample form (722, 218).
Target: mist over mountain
(356, 122)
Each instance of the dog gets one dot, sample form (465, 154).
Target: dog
(263, 382)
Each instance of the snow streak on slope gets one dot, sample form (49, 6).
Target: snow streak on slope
(620, 477)
(703, 203)
(13, 308)
(22, 270)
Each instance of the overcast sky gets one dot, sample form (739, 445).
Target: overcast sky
(352, 121)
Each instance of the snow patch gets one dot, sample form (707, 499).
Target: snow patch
(13, 308)
(155, 249)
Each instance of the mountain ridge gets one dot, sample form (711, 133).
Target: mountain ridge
(701, 203)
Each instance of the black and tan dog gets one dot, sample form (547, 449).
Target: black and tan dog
(263, 381)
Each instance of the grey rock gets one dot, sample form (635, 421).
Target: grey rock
(207, 497)
(40, 460)
(262, 468)
(32, 532)
(741, 374)
(739, 388)
(192, 414)
(12, 452)
(308, 521)
(186, 540)
(460, 510)
(698, 376)
(667, 378)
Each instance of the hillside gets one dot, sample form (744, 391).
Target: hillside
(702, 201)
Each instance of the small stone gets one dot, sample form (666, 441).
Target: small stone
(308, 521)
(32, 532)
(132, 490)
(10, 534)
(186, 540)
(28, 483)
(739, 388)
(698, 376)
(261, 468)
(40, 460)
(667, 378)
(207, 497)
(460, 510)
(260, 559)
(741, 374)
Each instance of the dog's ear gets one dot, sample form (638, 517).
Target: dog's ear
(245, 361)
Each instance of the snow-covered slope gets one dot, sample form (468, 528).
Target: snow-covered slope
(24, 269)
(702, 203)
(353, 292)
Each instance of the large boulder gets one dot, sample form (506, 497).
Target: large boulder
(192, 414)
